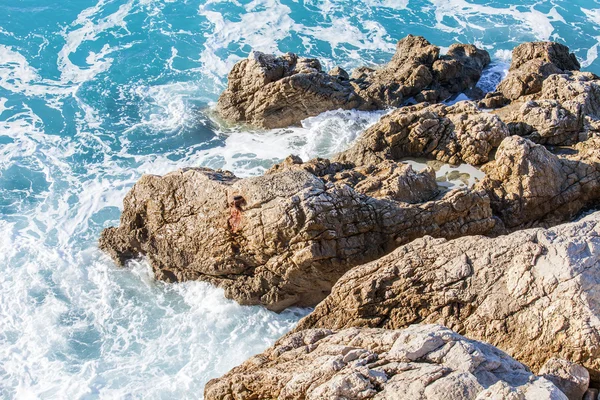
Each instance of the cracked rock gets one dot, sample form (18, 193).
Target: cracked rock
(271, 92)
(532, 294)
(418, 363)
(283, 239)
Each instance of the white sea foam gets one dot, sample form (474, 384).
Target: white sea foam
(16, 75)
(89, 30)
(465, 13)
(265, 23)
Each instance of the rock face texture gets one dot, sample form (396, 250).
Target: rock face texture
(564, 112)
(272, 92)
(572, 379)
(284, 238)
(532, 63)
(417, 363)
(452, 134)
(532, 293)
(528, 184)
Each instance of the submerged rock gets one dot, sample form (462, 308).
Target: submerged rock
(273, 92)
(532, 293)
(284, 238)
(418, 363)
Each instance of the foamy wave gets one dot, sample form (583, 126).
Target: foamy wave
(89, 31)
(469, 15)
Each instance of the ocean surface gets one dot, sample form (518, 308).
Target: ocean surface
(95, 93)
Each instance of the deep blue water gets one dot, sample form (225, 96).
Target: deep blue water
(95, 93)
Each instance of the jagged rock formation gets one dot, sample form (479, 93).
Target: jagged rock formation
(529, 185)
(452, 134)
(532, 63)
(564, 112)
(532, 293)
(417, 363)
(284, 238)
(272, 92)
(385, 180)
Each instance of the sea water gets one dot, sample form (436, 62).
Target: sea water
(95, 93)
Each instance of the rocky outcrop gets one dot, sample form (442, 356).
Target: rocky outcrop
(284, 238)
(531, 293)
(564, 112)
(417, 363)
(532, 63)
(572, 379)
(528, 185)
(271, 92)
(385, 180)
(416, 69)
(455, 134)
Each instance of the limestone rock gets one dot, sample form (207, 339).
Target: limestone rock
(572, 379)
(532, 293)
(460, 68)
(564, 112)
(532, 63)
(272, 92)
(452, 134)
(284, 238)
(417, 363)
(543, 121)
(529, 185)
(579, 94)
(386, 180)
(493, 100)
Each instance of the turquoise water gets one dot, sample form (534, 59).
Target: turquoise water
(95, 93)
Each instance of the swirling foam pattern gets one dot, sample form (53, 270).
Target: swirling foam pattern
(94, 93)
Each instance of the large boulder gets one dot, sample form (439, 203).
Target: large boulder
(528, 185)
(283, 239)
(417, 70)
(532, 63)
(271, 92)
(455, 134)
(565, 111)
(532, 293)
(417, 363)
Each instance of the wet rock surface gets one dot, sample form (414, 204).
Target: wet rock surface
(271, 92)
(531, 293)
(419, 362)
